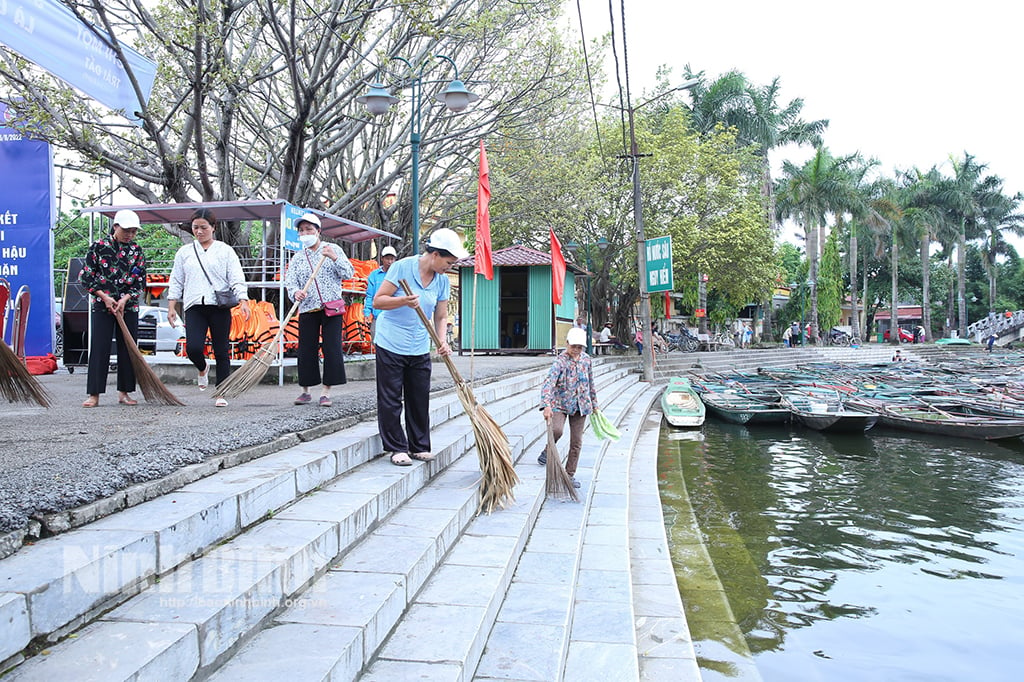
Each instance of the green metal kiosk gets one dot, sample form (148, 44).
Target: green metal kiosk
(514, 312)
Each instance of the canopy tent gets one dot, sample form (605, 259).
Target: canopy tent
(333, 226)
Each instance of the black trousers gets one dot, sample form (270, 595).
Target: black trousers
(315, 330)
(405, 376)
(198, 320)
(105, 327)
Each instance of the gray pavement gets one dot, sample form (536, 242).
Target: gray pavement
(56, 459)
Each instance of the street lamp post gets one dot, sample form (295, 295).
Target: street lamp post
(641, 239)
(455, 97)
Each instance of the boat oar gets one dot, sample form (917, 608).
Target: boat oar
(153, 390)
(498, 475)
(251, 373)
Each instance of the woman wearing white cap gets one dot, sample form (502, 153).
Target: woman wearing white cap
(314, 323)
(201, 268)
(115, 274)
(568, 393)
(387, 257)
(403, 345)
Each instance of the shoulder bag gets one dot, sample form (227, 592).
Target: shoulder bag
(330, 308)
(222, 298)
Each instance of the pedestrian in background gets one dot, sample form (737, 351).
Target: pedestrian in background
(373, 281)
(569, 394)
(403, 344)
(115, 274)
(201, 268)
(317, 329)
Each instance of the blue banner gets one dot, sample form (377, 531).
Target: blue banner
(26, 234)
(48, 34)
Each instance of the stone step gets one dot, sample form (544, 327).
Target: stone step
(393, 571)
(60, 582)
(65, 582)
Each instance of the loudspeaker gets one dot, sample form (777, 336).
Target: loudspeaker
(76, 298)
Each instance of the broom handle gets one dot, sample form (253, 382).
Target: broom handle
(295, 306)
(433, 333)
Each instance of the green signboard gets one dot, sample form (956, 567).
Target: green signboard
(659, 264)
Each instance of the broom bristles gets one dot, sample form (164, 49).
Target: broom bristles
(498, 475)
(557, 481)
(16, 383)
(249, 374)
(252, 370)
(153, 390)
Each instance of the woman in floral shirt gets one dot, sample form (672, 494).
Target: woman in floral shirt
(115, 275)
(569, 392)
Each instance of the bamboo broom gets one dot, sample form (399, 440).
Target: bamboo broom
(153, 390)
(498, 475)
(557, 482)
(16, 383)
(250, 373)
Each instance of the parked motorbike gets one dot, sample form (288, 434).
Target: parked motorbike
(684, 341)
(838, 337)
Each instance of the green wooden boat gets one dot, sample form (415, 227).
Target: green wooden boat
(680, 404)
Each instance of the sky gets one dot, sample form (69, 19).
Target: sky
(906, 82)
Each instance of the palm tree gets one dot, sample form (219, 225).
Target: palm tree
(809, 194)
(961, 197)
(998, 216)
(924, 217)
(760, 120)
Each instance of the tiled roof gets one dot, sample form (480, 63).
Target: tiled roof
(516, 256)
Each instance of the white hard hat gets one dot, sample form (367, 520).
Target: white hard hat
(388, 251)
(576, 337)
(449, 241)
(311, 218)
(127, 219)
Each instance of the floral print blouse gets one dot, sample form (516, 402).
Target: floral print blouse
(569, 386)
(115, 268)
(328, 278)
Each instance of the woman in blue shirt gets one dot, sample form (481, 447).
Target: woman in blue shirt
(403, 344)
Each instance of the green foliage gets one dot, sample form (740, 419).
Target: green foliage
(830, 284)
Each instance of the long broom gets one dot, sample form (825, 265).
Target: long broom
(16, 384)
(153, 390)
(252, 371)
(498, 475)
(557, 481)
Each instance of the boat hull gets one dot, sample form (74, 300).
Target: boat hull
(680, 404)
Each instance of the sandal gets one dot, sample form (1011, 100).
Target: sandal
(423, 456)
(401, 459)
(91, 402)
(127, 400)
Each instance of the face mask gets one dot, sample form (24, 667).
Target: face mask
(308, 240)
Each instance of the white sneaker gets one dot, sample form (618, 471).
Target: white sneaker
(220, 402)
(204, 380)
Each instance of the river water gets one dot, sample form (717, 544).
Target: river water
(867, 557)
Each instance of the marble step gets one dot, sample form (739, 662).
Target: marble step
(65, 582)
(394, 571)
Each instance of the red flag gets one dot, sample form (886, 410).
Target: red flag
(668, 306)
(557, 270)
(483, 264)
